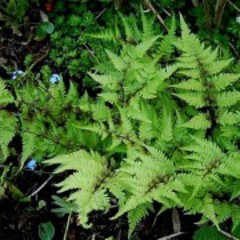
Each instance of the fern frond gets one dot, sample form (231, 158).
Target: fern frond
(136, 215)
(200, 121)
(117, 61)
(228, 99)
(5, 96)
(90, 174)
(144, 46)
(7, 131)
(223, 80)
(227, 118)
(147, 26)
(195, 99)
(191, 84)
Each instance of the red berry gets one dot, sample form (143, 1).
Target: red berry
(48, 7)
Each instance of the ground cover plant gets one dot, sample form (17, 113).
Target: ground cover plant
(119, 120)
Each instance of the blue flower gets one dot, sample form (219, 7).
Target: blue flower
(54, 78)
(31, 165)
(16, 73)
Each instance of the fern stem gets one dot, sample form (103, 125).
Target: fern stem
(67, 226)
(50, 139)
(228, 235)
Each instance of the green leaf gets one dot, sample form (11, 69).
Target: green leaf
(46, 231)
(47, 27)
(208, 233)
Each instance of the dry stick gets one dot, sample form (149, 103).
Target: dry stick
(171, 236)
(234, 5)
(152, 8)
(176, 221)
(41, 187)
(234, 49)
(207, 12)
(91, 52)
(167, 12)
(100, 14)
(219, 10)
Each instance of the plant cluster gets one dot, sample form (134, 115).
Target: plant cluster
(39, 117)
(140, 119)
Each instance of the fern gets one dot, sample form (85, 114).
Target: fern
(7, 131)
(168, 132)
(91, 173)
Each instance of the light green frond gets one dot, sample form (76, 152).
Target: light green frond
(200, 121)
(191, 84)
(29, 144)
(147, 26)
(117, 61)
(192, 98)
(7, 131)
(136, 215)
(143, 47)
(128, 27)
(227, 118)
(224, 80)
(105, 80)
(5, 96)
(227, 99)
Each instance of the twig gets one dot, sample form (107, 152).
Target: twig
(219, 10)
(171, 236)
(152, 8)
(91, 52)
(100, 14)
(234, 5)
(228, 235)
(41, 187)
(234, 49)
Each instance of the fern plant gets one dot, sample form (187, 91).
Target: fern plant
(41, 115)
(161, 128)
(208, 88)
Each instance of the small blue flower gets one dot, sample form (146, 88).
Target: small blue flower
(16, 73)
(31, 165)
(54, 78)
